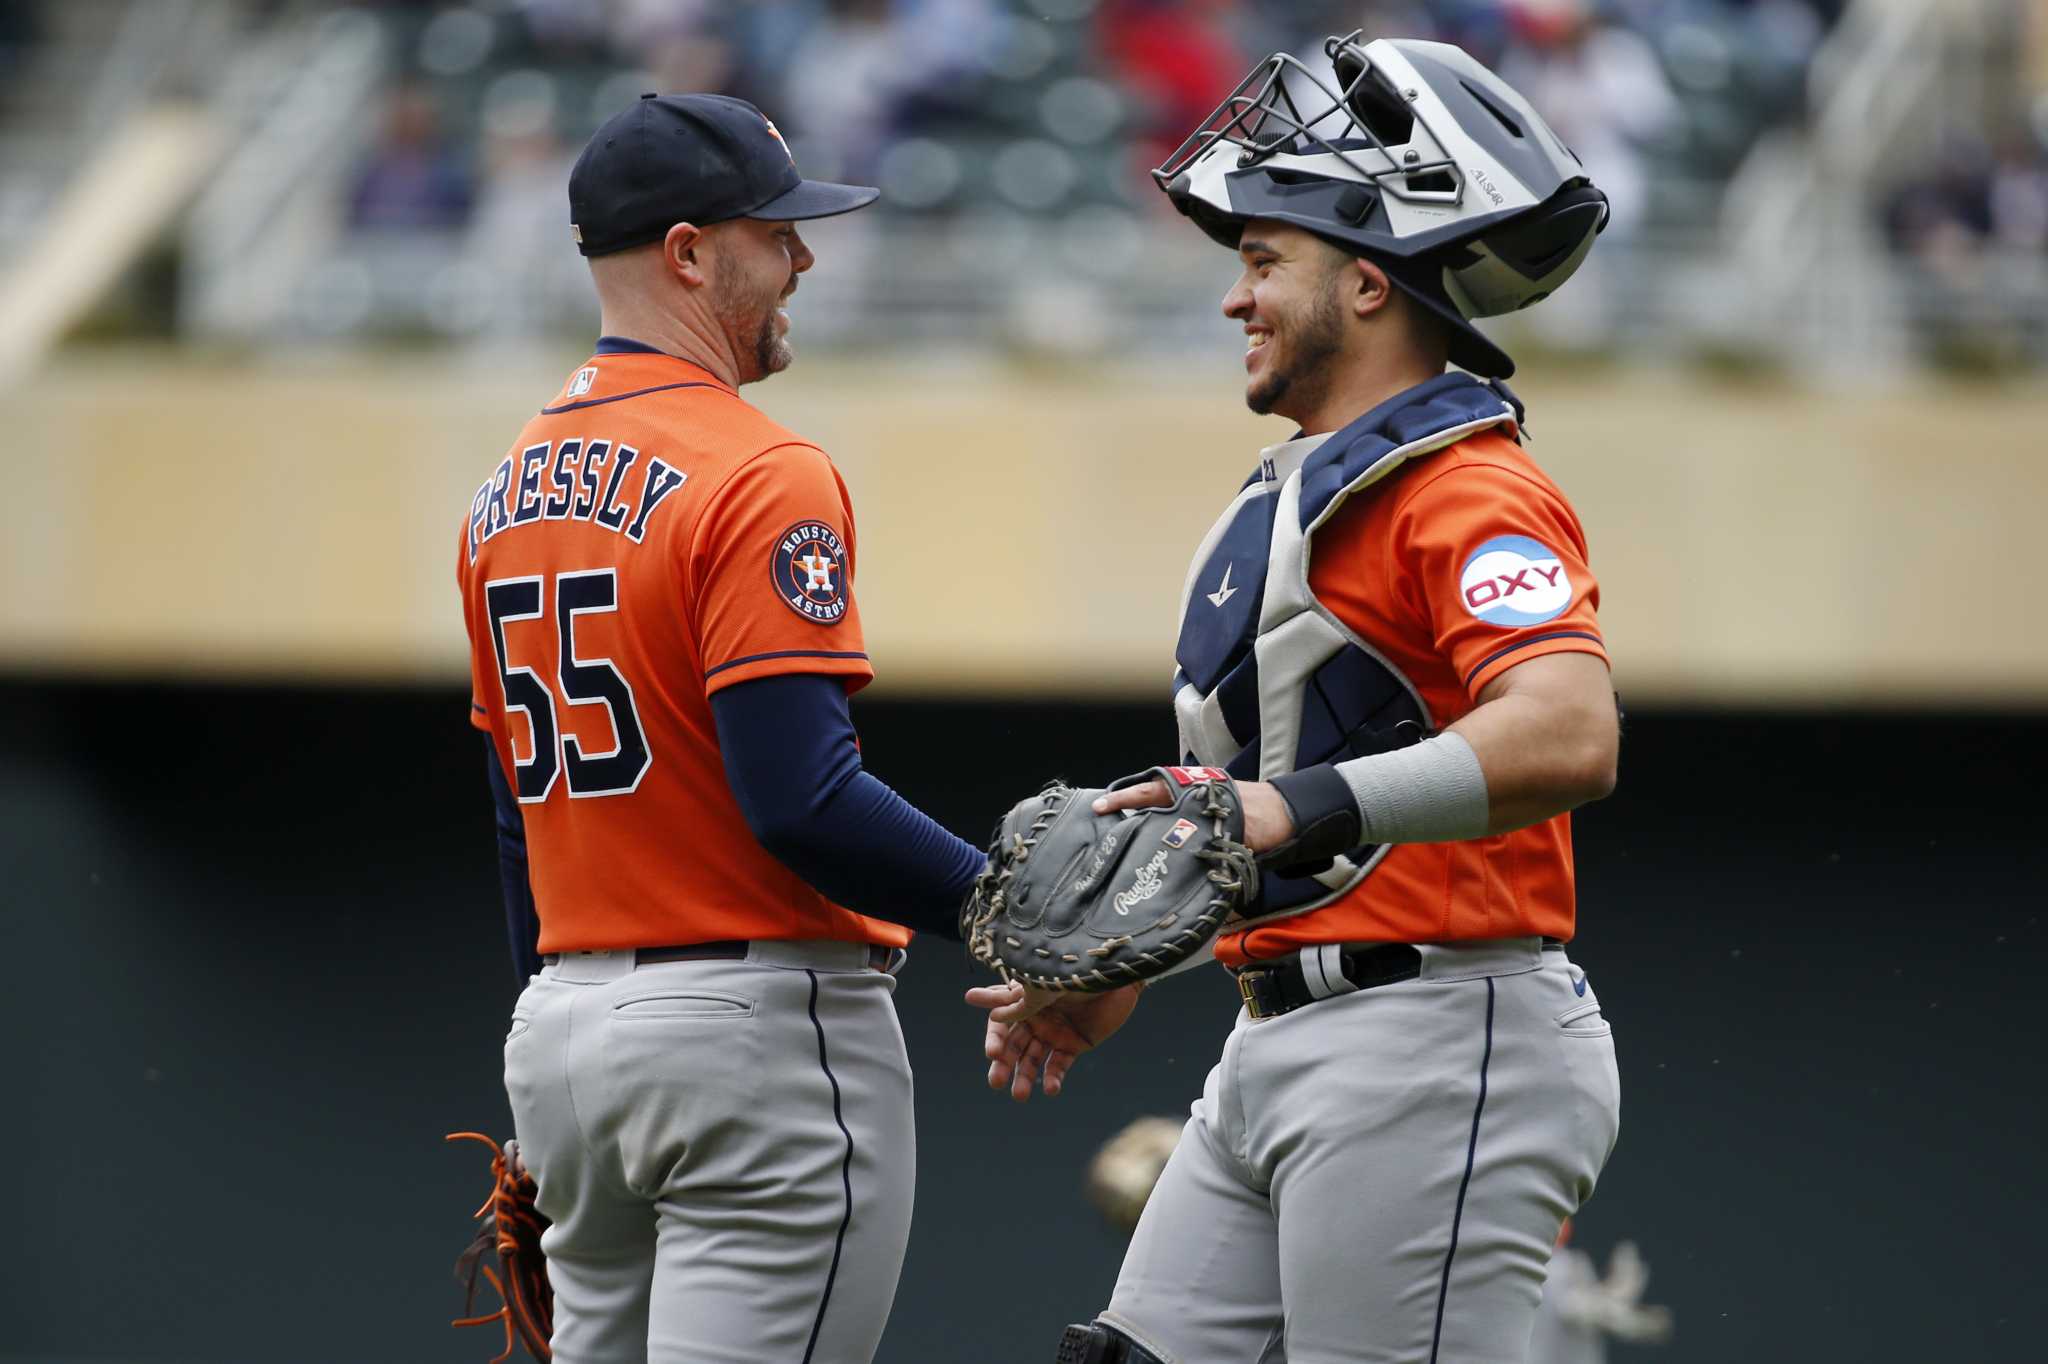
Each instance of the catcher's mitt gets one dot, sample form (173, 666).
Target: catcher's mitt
(511, 1227)
(1073, 900)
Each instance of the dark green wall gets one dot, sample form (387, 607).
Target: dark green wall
(257, 970)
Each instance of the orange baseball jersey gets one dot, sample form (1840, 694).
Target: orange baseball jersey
(1462, 565)
(649, 539)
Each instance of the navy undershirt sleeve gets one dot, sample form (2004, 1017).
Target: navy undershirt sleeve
(522, 921)
(795, 768)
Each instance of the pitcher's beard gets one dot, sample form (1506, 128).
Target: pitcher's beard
(753, 321)
(772, 354)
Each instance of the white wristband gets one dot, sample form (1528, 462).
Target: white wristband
(1431, 792)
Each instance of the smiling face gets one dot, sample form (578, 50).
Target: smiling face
(757, 268)
(1295, 323)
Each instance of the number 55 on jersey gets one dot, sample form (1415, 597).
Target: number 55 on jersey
(648, 540)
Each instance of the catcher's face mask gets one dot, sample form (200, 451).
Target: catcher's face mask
(1362, 121)
(1410, 152)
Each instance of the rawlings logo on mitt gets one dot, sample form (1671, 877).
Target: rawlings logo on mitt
(1073, 900)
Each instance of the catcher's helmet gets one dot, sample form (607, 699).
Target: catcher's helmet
(1419, 158)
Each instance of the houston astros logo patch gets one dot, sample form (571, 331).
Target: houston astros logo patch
(809, 571)
(1513, 580)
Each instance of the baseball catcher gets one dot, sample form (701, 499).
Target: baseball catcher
(1389, 639)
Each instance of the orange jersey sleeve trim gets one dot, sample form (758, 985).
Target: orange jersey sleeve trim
(1561, 642)
(851, 664)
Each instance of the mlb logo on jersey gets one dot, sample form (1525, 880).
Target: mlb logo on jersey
(580, 385)
(1513, 581)
(809, 571)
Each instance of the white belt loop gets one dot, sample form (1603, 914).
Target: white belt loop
(812, 954)
(591, 968)
(1322, 970)
(1472, 958)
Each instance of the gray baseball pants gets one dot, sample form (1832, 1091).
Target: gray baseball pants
(725, 1149)
(1380, 1176)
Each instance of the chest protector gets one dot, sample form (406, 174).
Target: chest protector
(1268, 680)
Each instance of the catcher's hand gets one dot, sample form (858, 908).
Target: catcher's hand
(511, 1227)
(1073, 899)
(1268, 819)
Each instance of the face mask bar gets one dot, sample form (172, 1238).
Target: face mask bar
(1262, 100)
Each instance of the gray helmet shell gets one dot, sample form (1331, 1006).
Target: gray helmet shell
(1418, 157)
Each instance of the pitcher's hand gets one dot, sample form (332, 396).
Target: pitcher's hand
(1034, 1036)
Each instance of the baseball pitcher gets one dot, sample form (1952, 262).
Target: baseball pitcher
(705, 1069)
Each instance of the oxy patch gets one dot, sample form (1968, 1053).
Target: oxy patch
(1513, 581)
(808, 568)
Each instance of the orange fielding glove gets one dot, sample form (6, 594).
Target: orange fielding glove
(511, 1225)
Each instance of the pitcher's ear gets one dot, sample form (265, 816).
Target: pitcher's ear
(682, 252)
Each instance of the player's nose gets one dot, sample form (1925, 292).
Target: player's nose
(800, 256)
(1237, 303)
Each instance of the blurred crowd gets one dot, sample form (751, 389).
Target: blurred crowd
(1041, 105)
(1972, 229)
(1000, 128)
(998, 119)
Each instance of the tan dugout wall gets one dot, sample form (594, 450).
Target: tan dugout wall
(1019, 530)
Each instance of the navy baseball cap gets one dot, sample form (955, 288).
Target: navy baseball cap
(691, 159)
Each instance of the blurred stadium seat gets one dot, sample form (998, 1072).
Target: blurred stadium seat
(1842, 185)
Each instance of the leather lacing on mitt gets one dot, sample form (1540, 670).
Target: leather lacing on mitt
(511, 1226)
(1146, 950)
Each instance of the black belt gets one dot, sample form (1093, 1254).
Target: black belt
(1282, 987)
(1269, 991)
(733, 949)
